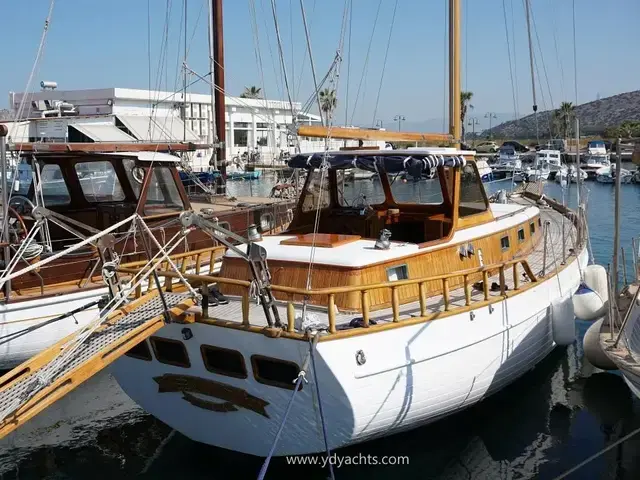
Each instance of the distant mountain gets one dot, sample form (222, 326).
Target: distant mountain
(594, 117)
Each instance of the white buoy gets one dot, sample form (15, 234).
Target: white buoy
(563, 325)
(593, 348)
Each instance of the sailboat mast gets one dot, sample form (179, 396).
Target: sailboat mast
(184, 76)
(533, 81)
(218, 81)
(214, 138)
(455, 123)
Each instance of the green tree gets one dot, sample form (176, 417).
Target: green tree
(328, 102)
(629, 129)
(465, 98)
(251, 92)
(563, 119)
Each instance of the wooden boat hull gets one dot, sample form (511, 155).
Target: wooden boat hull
(411, 376)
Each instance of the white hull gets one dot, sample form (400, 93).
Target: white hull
(23, 328)
(413, 375)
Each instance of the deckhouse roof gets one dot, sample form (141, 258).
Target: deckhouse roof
(391, 161)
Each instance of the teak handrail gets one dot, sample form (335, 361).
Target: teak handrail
(331, 292)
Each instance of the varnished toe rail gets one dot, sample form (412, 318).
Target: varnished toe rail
(485, 272)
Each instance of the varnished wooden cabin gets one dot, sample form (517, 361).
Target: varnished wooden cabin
(457, 230)
(100, 186)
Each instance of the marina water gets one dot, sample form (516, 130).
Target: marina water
(548, 421)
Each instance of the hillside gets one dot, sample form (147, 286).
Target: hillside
(594, 117)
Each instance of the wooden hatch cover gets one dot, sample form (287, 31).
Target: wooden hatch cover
(322, 240)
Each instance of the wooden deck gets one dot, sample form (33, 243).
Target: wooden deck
(556, 253)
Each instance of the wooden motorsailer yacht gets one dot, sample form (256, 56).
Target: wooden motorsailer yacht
(395, 312)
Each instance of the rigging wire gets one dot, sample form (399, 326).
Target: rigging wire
(303, 64)
(36, 62)
(575, 55)
(544, 67)
(313, 65)
(531, 61)
(366, 60)
(282, 62)
(555, 44)
(277, 78)
(506, 31)
(384, 63)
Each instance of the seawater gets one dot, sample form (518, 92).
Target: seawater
(549, 420)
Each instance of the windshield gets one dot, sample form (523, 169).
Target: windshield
(162, 193)
(99, 182)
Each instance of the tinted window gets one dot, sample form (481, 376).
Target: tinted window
(99, 182)
(472, 198)
(54, 188)
(171, 352)
(162, 194)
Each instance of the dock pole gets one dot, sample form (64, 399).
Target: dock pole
(4, 131)
(616, 224)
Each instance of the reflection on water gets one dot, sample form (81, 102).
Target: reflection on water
(539, 427)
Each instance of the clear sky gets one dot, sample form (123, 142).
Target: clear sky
(96, 44)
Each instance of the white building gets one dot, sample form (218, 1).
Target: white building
(132, 115)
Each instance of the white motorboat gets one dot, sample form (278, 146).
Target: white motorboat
(608, 175)
(509, 163)
(569, 174)
(540, 170)
(595, 158)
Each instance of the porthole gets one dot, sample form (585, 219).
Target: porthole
(140, 351)
(223, 361)
(275, 372)
(504, 243)
(170, 352)
(521, 235)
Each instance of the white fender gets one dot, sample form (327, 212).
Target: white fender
(593, 348)
(563, 325)
(596, 278)
(588, 304)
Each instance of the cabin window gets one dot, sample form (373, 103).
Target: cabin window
(99, 182)
(521, 235)
(140, 351)
(274, 372)
(406, 189)
(162, 195)
(504, 242)
(539, 222)
(223, 361)
(54, 188)
(267, 222)
(314, 196)
(400, 272)
(472, 197)
(532, 228)
(171, 352)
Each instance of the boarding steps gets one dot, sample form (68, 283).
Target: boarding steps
(36, 384)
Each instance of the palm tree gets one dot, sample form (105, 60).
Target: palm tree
(328, 102)
(563, 118)
(251, 92)
(465, 98)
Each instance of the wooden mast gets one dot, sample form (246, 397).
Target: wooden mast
(218, 81)
(455, 122)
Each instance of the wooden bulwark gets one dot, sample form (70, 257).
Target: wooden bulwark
(69, 379)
